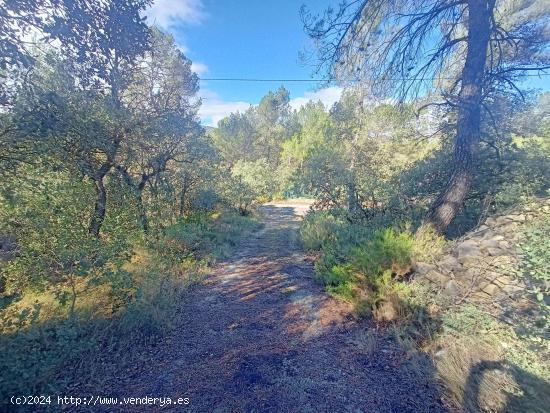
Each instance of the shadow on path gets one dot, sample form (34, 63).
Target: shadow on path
(259, 335)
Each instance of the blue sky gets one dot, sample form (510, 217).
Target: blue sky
(248, 39)
(242, 38)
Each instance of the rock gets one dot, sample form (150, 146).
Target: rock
(504, 262)
(480, 230)
(440, 353)
(503, 281)
(436, 277)
(468, 251)
(503, 219)
(490, 289)
(495, 252)
(509, 227)
(473, 273)
(510, 289)
(517, 218)
(492, 236)
(451, 289)
(489, 243)
(449, 264)
(479, 296)
(422, 268)
(504, 244)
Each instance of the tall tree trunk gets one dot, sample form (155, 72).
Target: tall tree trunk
(99, 209)
(353, 206)
(451, 199)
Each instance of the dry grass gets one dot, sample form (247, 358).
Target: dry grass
(466, 384)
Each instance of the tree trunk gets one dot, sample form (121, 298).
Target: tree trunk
(183, 195)
(451, 199)
(143, 221)
(99, 209)
(352, 198)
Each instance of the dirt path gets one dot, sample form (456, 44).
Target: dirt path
(260, 336)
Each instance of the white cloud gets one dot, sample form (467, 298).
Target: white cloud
(199, 68)
(214, 109)
(167, 13)
(328, 96)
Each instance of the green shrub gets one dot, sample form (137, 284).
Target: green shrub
(535, 256)
(208, 234)
(387, 250)
(48, 352)
(428, 245)
(365, 272)
(534, 267)
(320, 228)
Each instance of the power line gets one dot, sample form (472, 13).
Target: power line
(252, 79)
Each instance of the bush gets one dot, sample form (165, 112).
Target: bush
(204, 235)
(126, 301)
(320, 228)
(428, 246)
(388, 250)
(535, 257)
(366, 273)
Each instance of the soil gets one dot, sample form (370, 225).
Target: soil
(260, 335)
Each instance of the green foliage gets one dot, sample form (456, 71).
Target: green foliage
(318, 229)
(207, 234)
(47, 213)
(52, 352)
(237, 194)
(387, 250)
(428, 245)
(366, 272)
(535, 256)
(257, 176)
(45, 349)
(535, 269)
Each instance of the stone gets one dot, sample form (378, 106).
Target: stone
(492, 236)
(480, 230)
(422, 268)
(503, 281)
(504, 244)
(504, 262)
(440, 353)
(449, 264)
(489, 243)
(480, 296)
(436, 277)
(490, 289)
(473, 273)
(467, 251)
(503, 219)
(451, 289)
(495, 252)
(510, 289)
(517, 218)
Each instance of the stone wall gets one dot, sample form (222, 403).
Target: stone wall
(482, 266)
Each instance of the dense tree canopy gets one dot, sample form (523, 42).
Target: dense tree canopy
(466, 52)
